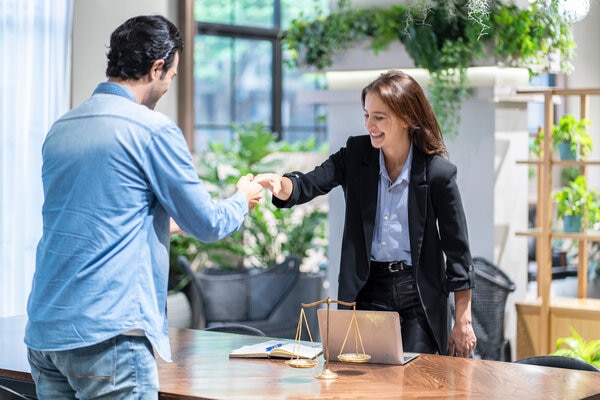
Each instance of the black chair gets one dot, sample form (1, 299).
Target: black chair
(9, 394)
(559, 362)
(193, 294)
(236, 328)
(488, 301)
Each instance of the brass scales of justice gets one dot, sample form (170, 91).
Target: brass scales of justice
(356, 357)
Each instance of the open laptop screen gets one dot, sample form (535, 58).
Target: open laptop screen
(380, 335)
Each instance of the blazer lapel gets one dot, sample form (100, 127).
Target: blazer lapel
(417, 204)
(368, 180)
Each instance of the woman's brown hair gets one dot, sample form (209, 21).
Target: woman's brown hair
(405, 97)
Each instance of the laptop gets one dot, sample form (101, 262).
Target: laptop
(379, 331)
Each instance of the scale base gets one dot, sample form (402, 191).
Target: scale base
(327, 374)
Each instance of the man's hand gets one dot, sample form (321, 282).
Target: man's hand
(252, 190)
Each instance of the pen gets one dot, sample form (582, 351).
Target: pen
(274, 346)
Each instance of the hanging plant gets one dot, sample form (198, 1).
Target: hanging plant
(443, 36)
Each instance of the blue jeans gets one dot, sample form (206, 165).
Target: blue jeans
(122, 367)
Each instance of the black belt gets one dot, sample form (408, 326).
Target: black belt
(391, 266)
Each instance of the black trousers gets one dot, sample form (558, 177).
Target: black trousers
(397, 291)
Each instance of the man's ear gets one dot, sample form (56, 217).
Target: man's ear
(157, 69)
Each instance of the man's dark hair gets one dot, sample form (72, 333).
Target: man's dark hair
(138, 42)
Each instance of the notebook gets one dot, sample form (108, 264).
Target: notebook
(276, 349)
(379, 330)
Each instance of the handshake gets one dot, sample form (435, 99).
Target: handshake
(252, 187)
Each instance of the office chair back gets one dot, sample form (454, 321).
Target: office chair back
(193, 293)
(559, 362)
(492, 287)
(488, 302)
(9, 394)
(236, 328)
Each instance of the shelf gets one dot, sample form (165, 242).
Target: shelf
(592, 236)
(557, 273)
(564, 313)
(583, 305)
(561, 163)
(539, 323)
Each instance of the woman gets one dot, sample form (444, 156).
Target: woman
(405, 242)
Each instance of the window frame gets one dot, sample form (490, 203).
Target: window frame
(190, 28)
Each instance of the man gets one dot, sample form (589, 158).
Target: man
(114, 171)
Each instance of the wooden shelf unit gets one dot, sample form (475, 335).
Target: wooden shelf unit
(542, 321)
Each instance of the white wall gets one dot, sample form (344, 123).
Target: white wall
(90, 45)
(586, 75)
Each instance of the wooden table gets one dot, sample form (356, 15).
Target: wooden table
(203, 370)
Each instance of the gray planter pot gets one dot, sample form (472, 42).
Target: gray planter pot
(267, 299)
(594, 288)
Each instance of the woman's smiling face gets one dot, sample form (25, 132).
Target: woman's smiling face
(384, 127)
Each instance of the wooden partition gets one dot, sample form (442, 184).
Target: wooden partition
(542, 321)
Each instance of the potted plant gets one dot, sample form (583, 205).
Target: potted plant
(571, 137)
(443, 36)
(269, 247)
(576, 347)
(577, 206)
(269, 234)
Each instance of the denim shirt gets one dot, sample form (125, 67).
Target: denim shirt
(113, 172)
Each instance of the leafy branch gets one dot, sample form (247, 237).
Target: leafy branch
(445, 37)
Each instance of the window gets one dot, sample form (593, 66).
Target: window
(240, 74)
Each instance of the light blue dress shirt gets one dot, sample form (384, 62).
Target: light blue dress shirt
(113, 172)
(391, 241)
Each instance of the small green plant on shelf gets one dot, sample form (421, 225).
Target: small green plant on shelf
(569, 130)
(575, 346)
(537, 145)
(575, 200)
(573, 132)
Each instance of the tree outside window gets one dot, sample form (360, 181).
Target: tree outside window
(240, 74)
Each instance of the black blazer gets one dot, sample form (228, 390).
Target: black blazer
(441, 257)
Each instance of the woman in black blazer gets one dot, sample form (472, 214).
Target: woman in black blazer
(405, 243)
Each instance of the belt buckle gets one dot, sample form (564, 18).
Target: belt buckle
(391, 266)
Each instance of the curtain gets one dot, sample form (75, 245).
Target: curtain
(35, 59)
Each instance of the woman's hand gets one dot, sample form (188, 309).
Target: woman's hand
(462, 340)
(280, 186)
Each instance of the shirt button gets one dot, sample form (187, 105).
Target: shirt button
(383, 243)
(385, 217)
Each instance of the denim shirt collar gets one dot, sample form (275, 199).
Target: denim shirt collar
(404, 174)
(116, 89)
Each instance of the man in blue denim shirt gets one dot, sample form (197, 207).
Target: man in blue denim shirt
(114, 171)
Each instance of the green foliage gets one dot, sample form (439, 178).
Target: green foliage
(573, 131)
(575, 199)
(537, 145)
(570, 130)
(268, 234)
(443, 36)
(531, 37)
(317, 40)
(576, 347)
